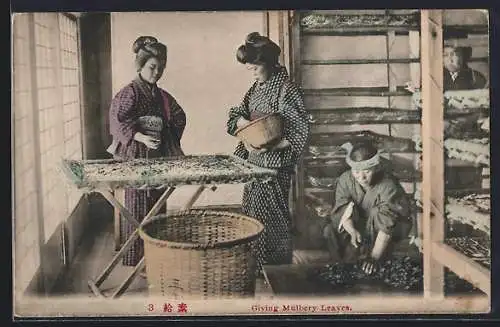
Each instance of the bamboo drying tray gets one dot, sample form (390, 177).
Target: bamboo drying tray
(476, 249)
(162, 172)
(329, 142)
(461, 101)
(318, 21)
(365, 115)
(471, 209)
(476, 151)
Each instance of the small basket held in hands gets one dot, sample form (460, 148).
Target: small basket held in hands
(261, 132)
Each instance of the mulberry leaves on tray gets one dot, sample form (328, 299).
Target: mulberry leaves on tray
(399, 273)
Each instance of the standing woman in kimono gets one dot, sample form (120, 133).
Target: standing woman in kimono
(371, 211)
(139, 102)
(272, 92)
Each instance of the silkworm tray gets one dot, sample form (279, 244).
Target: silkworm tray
(161, 172)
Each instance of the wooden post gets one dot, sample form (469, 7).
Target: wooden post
(433, 151)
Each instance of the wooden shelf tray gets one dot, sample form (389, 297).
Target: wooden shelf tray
(361, 61)
(402, 169)
(477, 249)
(463, 101)
(359, 91)
(385, 143)
(472, 209)
(363, 22)
(144, 173)
(476, 151)
(463, 266)
(465, 211)
(365, 115)
(466, 29)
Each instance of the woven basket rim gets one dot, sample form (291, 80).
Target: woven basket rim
(201, 246)
(253, 122)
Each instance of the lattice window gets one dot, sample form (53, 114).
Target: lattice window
(46, 74)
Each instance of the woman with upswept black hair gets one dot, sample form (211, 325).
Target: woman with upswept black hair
(272, 92)
(145, 121)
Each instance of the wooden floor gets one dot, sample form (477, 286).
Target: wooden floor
(98, 248)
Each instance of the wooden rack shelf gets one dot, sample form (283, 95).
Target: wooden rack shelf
(463, 266)
(365, 115)
(469, 29)
(384, 142)
(437, 254)
(324, 159)
(403, 169)
(359, 91)
(359, 30)
(361, 61)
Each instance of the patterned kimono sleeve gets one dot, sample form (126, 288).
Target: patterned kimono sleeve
(235, 113)
(123, 116)
(178, 118)
(292, 108)
(342, 198)
(392, 212)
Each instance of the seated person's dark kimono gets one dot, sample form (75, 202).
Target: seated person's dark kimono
(457, 75)
(384, 207)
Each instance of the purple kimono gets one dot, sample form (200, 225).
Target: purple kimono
(137, 99)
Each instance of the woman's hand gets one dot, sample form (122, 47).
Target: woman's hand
(149, 141)
(242, 122)
(283, 144)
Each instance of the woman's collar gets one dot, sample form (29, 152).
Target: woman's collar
(140, 80)
(280, 70)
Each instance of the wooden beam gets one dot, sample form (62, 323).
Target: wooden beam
(463, 266)
(359, 91)
(361, 61)
(265, 23)
(358, 30)
(433, 177)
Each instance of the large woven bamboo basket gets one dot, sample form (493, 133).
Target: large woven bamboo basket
(201, 254)
(262, 131)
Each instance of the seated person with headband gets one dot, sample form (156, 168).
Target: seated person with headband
(371, 212)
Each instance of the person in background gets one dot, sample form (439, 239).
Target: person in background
(145, 122)
(371, 212)
(272, 92)
(457, 75)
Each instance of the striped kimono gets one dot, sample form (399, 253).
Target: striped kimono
(268, 201)
(137, 99)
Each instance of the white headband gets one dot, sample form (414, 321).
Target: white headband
(360, 165)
